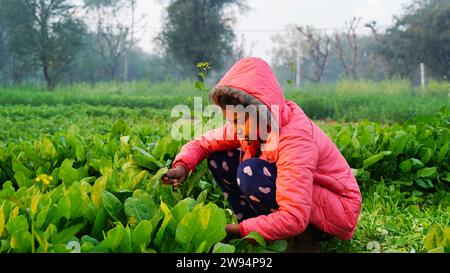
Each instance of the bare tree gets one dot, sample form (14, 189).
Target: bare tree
(2, 48)
(350, 35)
(379, 37)
(111, 45)
(318, 51)
(136, 27)
(111, 34)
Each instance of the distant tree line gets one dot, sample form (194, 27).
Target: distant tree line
(419, 35)
(65, 41)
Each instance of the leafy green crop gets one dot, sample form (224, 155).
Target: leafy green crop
(438, 240)
(414, 155)
(67, 193)
(68, 189)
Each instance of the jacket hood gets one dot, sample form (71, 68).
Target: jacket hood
(255, 77)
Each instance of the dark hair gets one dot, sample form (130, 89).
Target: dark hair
(224, 95)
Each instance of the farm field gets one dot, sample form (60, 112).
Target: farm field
(80, 169)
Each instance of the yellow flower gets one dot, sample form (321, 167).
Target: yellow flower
(44, 178)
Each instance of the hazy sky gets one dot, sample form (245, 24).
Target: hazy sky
(268, 17)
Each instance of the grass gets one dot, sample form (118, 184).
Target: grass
(390, 101)
(394, 221)
(25, 122)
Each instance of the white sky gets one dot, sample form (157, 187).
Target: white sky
(267, 17)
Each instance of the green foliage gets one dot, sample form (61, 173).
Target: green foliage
(392, 220)
(47, 33)
(104, 200)
(189, 39)
(80, 178)
(420, 35)
(437, 240)
(412, 154)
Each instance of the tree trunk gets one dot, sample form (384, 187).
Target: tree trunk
(48, 79)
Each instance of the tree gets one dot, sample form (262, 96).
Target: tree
(324, 62)
(137, 27)
(115, 40)
(318, 51)
(348, 64)
(199, 30)
(421, 34)
(45, 32)
(2, 48)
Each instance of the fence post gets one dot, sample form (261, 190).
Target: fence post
(422, 76)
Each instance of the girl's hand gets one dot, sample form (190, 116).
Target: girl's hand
(175, 176)
(233, 231)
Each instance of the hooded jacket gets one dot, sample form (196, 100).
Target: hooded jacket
(314, 183)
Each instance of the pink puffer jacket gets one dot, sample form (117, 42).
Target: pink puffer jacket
(314, 182)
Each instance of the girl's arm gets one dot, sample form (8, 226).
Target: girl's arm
(196, 150)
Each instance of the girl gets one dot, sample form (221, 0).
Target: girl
(302, 183)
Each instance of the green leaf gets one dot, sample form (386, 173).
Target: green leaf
(139, 207)
(426, 184)
(375, 158)
(2, 221)
(19, 167)
(66, 235)
(17, 224)
(402, 182)
(89, 239)
(97, 189)
(112, 205)
(426, 155)
(68, 174)
(141, 235)
(22, 180)
(167, 219)
(21, 241)
(437, 250)
(80, 152)
(257, 237)
(47, 149)
(202, 196)
(138, 178)
(126, 245)
(406, 166)
(199, 85)
(114, 237)
(99, 223)
(119, 128)
(201, 247)
(442, 153)
(182, 208)
(87, 247)
(223, 248)
(416, 163)
(426, 172)
(278, 246)
(42, 215)
(204, 223)
(446, 177)
(398, 142)
(145, 159)
(433, 237)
